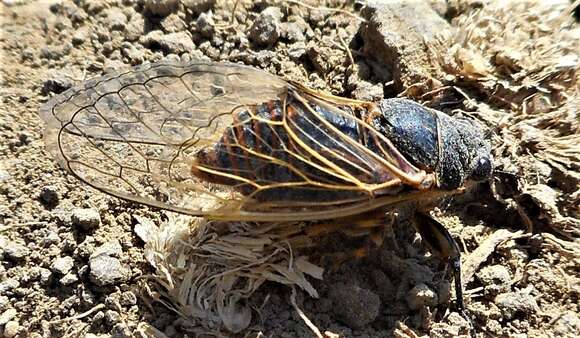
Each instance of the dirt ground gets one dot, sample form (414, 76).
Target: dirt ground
(78, 263)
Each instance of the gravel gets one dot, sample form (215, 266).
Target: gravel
(354, 306)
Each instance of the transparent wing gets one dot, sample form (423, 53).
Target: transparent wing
(138, 135)
(125, 133)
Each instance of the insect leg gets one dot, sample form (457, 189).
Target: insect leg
(441, 243)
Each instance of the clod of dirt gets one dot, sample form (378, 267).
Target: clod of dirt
(172, 24)
(205, 25)
(454, 326)
(354, 306)
(266, 28)
(513, 302)
(367, 91)
(384, 285)
(161, 7)
(56, 82)
(62, 265)
(85, 219)
(15, 251)
(496, 279)
(292, 31)
(136, 28)
(421, 295)
(116, 20)
(394, 36)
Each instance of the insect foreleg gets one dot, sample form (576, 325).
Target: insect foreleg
(442, 244)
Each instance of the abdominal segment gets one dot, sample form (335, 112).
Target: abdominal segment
(292, 152)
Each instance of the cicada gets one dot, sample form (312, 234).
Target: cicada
(230, 142)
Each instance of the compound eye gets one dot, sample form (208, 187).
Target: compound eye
(483, 169)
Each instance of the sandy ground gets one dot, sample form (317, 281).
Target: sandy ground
(75, 264)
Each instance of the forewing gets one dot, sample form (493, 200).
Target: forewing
(134, 134)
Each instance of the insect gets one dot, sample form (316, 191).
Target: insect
(229, 142)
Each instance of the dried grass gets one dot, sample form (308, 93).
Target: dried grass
(206, 271)
(519, 62)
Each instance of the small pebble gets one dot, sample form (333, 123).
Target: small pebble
(80, 36)
(173, 23)
(121, 330)
(11, 329)
(7, 316)
(292, 32)
(205, 25)
(94, 6)
(296, 50)
(354, 306)
(50, 238)
(45, 275)
(110, 248)
(62, 265)
(421, 295)
(176, 43)
(85, 219)
(4, 175)
(107, 270)
(69, 279)
(266, 29)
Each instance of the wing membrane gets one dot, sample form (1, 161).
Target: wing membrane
(138, 134)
